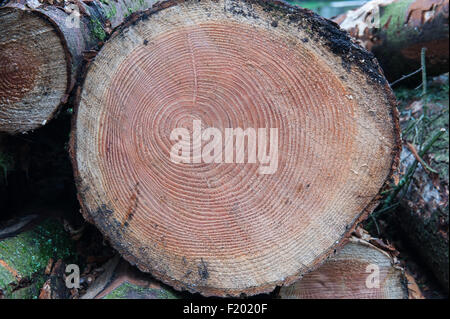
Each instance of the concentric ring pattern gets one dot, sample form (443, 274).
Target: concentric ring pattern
(221, 228)
(227, 77)
(18, 68)
(33, 70)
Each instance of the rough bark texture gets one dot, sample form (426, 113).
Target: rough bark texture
(353, 274)
(424, 215)
(42, 47)
(395, 31)
(225, 228)
(55, 286)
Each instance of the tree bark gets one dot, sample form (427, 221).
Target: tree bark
(55, 286)
(42, 47)
(424, 213)
(222, 228)
(395, 31)
(360, 270)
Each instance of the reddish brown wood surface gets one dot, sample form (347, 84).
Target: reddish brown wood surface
(225, 228)
(359, 270)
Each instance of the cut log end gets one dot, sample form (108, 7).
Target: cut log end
(222, 228)
(33, 70)
(359, 271)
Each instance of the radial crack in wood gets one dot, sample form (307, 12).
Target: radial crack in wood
(224, 228)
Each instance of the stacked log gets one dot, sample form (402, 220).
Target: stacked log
(42, 48)
(360, 270)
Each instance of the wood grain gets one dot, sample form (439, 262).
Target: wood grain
(223, 228)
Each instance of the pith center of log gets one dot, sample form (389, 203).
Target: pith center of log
(33, 70)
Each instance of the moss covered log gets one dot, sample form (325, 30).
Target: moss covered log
(126, 282)
(24, 258)
(130, 290)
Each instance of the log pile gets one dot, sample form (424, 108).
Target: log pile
(42, 47)
(226, 228)
(213, 219)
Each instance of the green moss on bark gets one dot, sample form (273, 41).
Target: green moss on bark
(131, 291)
(23, 258)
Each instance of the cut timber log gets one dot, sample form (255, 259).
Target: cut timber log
(224, 226)
(359, 270)
(395, 31)
(41, 52)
